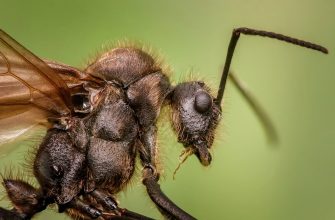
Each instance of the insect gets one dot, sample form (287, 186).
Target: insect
(98, 120)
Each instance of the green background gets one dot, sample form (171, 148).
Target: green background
(248, 178)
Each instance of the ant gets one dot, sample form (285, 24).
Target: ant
(99, 119)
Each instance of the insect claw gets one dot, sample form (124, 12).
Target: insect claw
(95, 213)
(112, 205)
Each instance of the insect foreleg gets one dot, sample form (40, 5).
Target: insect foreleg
(148, 152)
(168, 208)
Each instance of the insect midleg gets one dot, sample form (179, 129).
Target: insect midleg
(82, 207)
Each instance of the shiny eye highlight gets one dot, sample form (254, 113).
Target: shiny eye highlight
(203, 102)
(57, 171)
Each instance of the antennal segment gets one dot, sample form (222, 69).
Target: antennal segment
(247, 31)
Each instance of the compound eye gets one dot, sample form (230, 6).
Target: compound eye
(203, 102)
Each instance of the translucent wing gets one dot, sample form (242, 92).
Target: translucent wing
(85, 89)
(27, 80)
(30, 91)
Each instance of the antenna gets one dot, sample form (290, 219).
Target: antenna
(247, 31)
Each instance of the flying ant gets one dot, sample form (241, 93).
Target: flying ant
(98, 120)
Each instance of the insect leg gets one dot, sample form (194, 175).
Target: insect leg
(108, 202)
(151, 177)
(10, 214)
(149, 151)
(27, 200)
(81, 207)
(164, 204)
(104, 199)
(133, 215)
(124, 214)
(109, 210)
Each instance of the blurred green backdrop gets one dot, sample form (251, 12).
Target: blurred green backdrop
(248, 179)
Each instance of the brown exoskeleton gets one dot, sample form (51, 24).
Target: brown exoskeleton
(98, 120)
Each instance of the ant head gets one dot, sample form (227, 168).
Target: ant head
(196, 113)
(195, 116)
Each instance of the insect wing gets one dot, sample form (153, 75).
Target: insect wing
(33, 80)
(30, 91)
